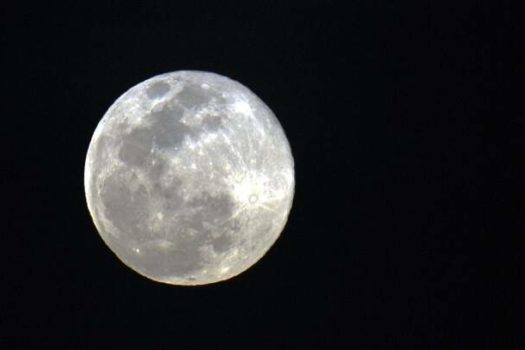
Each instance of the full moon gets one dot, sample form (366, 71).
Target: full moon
(189, 178)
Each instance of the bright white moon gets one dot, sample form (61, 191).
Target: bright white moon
(189, 178)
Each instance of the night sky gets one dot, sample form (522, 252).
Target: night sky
(407, 130)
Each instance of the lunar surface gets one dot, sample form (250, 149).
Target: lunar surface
(189, 178)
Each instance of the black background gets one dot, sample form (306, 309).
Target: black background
(406, 127)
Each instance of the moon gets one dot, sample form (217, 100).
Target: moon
(189, 178)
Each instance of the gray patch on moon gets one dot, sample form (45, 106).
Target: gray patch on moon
(136, 146)
(212, 123)
(178, 258)
(126, 208)
(167, 127)
(193, 95)
(168, 193)
(157, 90)
(222, 243)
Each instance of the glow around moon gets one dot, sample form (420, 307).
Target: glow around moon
(189, 178)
